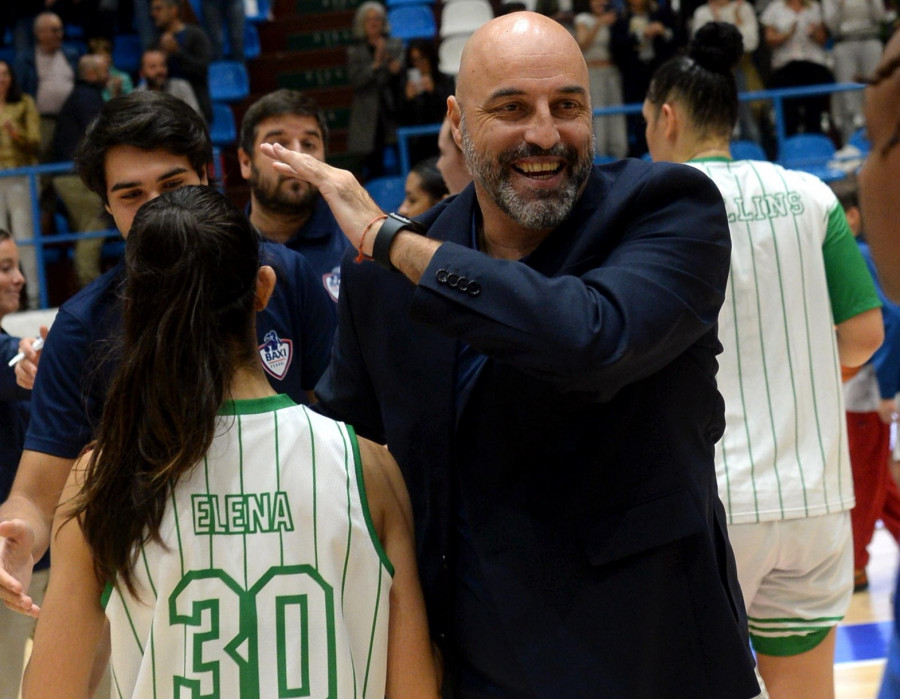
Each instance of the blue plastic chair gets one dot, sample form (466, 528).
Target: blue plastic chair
(388, 192)
(228, 81)
(747, 150)
(222, 130)
(412, 22)
(261, 14)
(252, 47)
(126, 54)
(810, 152)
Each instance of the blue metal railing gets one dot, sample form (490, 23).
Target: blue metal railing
(777, 98)
(33, 173)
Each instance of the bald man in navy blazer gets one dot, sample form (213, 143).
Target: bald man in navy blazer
(541, 363)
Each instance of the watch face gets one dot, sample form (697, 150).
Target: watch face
(402, 218)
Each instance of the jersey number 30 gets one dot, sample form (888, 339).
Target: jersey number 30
(224, 649)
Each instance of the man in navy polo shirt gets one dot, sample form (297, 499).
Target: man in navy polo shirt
(284, 209)
(141, 145)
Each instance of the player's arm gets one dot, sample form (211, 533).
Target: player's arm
(411, 671)
(25, 523)
(858, 337)
(72, 621)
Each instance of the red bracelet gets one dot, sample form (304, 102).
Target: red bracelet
(362, 256)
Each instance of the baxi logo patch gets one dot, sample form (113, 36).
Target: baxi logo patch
(276, 354)
(332, 283)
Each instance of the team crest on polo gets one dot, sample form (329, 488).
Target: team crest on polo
(332, 283)
(276, 354)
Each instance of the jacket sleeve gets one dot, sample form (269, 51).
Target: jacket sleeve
(624, 310)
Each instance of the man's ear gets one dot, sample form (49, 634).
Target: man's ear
(244, 161)
(454, 115)
(265, 285)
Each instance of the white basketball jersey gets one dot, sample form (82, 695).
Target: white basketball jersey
(784, 452)
(272, 582)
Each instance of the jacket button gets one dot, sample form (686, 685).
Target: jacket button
(473, 289)
(453, 281)
(463, 284)
(441, 276)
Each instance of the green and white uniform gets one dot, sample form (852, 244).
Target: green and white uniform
(271, 581)
(796, 272)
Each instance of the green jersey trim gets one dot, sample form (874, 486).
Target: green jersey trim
(363, 498)
(255, 406)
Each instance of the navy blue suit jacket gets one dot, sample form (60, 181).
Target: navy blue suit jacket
(583, 455)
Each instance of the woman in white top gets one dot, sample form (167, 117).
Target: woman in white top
(796, 34)
(592, 31)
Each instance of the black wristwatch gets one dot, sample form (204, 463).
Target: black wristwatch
(393, 224)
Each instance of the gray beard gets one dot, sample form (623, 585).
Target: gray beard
(543, 209)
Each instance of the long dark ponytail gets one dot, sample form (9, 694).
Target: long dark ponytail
(191, 268)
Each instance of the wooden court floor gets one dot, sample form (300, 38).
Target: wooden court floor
(863, 636)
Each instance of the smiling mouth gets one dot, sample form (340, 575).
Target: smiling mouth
(539, 171)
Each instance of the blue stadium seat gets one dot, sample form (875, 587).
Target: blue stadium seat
(747, 150)
(228, 81)
(388, 192)
(261, 14)
(252, 47)
(810, 152)
(222, 130)
(412, 22)
(395, 3)
(126, 53)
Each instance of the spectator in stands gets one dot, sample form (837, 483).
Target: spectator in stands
(119, 81)
(215, 14)
(740, 13)
(593, 33)
(643, 38)
(283, 209)
(452, 162)
(424, 188)
(20, 140)
(187, 48)
(856, 28)
(375, 66)
(796, 34)
(425, 94)
(47, 72)
(15, 628)
(154, 74)
(85, 208)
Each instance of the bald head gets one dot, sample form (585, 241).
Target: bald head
(522, 118)
(512, 46)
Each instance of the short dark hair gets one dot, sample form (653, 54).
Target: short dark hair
(279, 103)
(146, 120)
(432, 180)
(847, 191)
